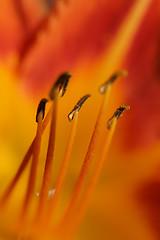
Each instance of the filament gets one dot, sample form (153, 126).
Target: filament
(36, 152)
(23, 165)
(87, 161)
(58, 90)
(111, 124)
(73, 115)
(64, 167)
(49, 162)
(71, 226)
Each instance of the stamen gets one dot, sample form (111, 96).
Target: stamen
(23, 165)
(41, 108)
(56, 92)
(111, 80)
(63, 170)
(48, 165)
(88, 159)
(72, 225)
(117, 114)
(60, 85)
(77, 107)
(36, 152)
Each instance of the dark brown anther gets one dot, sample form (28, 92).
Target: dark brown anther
(41, 108)
(77, 107)
(117, 114)
(60, 85)
(111, 80)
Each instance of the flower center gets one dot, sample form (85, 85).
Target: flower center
(82, 192)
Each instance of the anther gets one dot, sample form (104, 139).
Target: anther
(117, 114)
(78, 106)
(41, 108)
(111, 80)
(60, 85)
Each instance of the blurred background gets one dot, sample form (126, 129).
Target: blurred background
(39, 39)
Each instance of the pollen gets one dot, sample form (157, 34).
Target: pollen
(117, 114)
(78, 107)
(60, 85)
(41, 108)
(111, 80)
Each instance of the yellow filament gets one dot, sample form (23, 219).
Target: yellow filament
(49, 162)
(88, 160)
(23, 165)
(63, 170)
(32, 178)
(71, 226)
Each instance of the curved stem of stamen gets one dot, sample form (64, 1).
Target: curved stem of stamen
(71, 226)
(63, 170)
(23, 165)
(34, 166)
(87, 161)
(48, 165)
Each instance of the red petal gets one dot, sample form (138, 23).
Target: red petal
(149, 199)
(17, 19)
(143, 87)
(80, 32)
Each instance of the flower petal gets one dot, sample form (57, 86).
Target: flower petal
(70, 39)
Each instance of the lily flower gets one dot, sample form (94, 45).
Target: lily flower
(92, 175)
